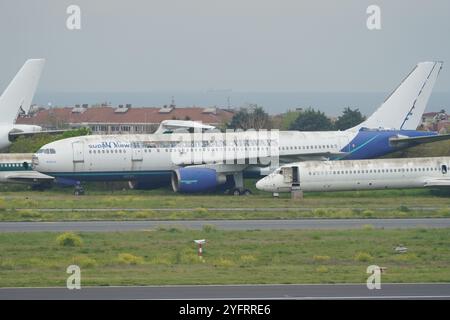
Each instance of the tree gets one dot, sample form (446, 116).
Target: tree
(30, 144)
(250, 118)
(349, 119)
(288, 119)
(311, 120)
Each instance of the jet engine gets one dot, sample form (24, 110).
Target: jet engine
(191, 180)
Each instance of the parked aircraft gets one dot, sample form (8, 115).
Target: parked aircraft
(18, 95)
(348, 175)
(195, 162)
(16, 168)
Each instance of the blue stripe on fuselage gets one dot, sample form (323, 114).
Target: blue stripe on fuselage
(370, 144)
(147, 176)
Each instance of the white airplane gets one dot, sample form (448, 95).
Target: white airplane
(16, 168)
(194, 162)
(18, 95)
(347, 175)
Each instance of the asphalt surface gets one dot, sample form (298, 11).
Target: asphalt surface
(298, 224)
(335, 291)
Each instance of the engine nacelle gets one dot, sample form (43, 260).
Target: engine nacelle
(196, 180)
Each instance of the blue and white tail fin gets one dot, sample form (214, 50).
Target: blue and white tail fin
(20, 91)
(403, 108)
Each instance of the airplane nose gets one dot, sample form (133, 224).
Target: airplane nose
(261, 184)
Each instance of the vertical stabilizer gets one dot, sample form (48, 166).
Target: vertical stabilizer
(20, 91)
(404, 107)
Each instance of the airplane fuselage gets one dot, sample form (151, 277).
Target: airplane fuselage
(142, 157)
(349, 175)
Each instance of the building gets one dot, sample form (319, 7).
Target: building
(436, 121)
(122, 119)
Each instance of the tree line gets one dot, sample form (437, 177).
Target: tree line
(305, 120)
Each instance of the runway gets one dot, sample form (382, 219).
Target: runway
(297, 224)
(329, 291)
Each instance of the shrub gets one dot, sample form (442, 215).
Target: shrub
(130, 259)
(69, 239)
(225, 263)
(247, 259)
(201, 212)
(368, 213)
(319, 212)
(363, 257)
(161, 260)
(209, 228)
(317, 258)
(84, 261)
(322, 269)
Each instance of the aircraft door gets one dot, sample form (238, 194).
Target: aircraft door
(78, 156)
(287, 175)
(295, 176)
(78, 152)
(136, 151)
(136, 156)
(444, 169)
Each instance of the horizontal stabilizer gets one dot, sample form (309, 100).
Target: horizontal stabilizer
(28, 177)
(437, 183)
(406, 142)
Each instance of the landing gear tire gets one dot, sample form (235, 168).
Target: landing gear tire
(236, 192)
(246, 192)
(79, 191)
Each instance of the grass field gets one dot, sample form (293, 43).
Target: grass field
(168, 256)
(166, 205)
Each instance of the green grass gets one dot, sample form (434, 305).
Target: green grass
(24, 206)
(168, 256)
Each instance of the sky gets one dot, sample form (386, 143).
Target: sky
(238, 45)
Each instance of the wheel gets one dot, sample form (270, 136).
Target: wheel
(236, 192)
(246, 192)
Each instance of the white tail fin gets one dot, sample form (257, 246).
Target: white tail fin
(20, 91)
(403, 108)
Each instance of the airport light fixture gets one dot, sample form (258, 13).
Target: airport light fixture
(200, 244)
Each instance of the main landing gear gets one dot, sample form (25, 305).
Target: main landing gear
(239, 189)
(240, 192)
(79, 190)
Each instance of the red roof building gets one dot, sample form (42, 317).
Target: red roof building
(126, 119)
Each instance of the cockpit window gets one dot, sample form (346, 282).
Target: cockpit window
(46, 151)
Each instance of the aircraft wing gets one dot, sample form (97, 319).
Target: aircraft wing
(413, 141)
(437, 183)
(222, 168)
(312, 156)
(15, 134)
(27, 177)
(169, 126)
